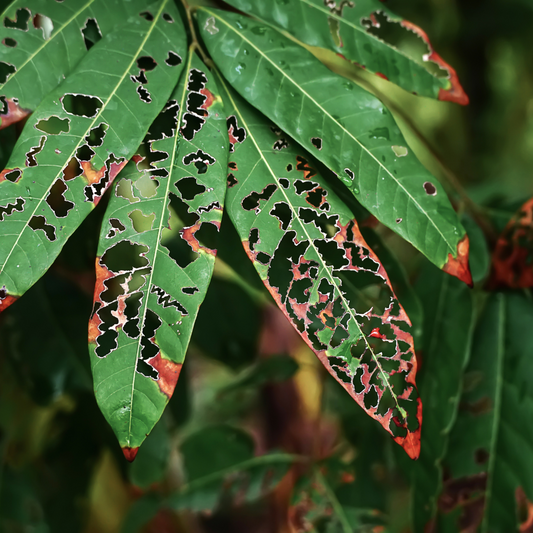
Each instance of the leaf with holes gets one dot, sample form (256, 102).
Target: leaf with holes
(357, 31)
(448, 307)
(42, 41)
(488, 464)
(512, 260)
(310, 254)
(77, 141)
(151, 279)
(345, 127)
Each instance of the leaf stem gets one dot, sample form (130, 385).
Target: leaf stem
(195, 45)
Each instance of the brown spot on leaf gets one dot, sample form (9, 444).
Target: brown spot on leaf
(130, 453)
(455, 93)
(168, 371)
(458, 266)
(14, 114)
(209, 98)
(430, 188)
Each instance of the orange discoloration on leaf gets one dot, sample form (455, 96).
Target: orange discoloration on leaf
(188, 234)
(130, 453)
(102, 274)
(455, 93)
(7, 171)
(169, 372)
(6, 301)
(525, 509)
(512, 259)
(410, 441)
(209, 98)
(380, 75)
(458, 266)
(14, 114)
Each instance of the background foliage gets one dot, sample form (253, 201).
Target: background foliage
(257, 436)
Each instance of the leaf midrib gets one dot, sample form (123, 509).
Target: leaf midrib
(312, 245)
(95, 118)
(363, 147)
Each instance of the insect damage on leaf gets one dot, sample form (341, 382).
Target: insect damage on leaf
(458, 266)
(157, 238)
(313, 259)
(512, 260)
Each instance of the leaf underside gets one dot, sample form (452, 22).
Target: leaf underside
(350, 29)
(78, 139)
(307, 249)
(343, 126)
(152, 269)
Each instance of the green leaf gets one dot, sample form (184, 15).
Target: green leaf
(78, 139)
(350, 29)
(221, 468)
(307, 249)
(343, 126)
(150, 282)
(448, 308)
(43, 41)
(491, 445)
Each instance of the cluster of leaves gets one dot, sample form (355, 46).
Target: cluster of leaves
(184, 114)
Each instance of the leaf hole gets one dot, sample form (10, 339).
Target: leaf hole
(91, 33)
(30, 156)
(54, 125)
(84, 153)
(173, 59)
(9, 209)
(39, 223)
(144, 95)
(430, 189)
(147, 16)
(200, 159)
(189, 188)
(44, 23)
(81, 105)
(56, 199)
(22, 18)
(125, 255)
(317, 142)
(13, 176)
(72, 170)
(146, 63)
(6, 69)
(116, 228)
(11, 43)
(96, 135)
(140, 221)
(189, 290)
(252, 201)
(168, 18)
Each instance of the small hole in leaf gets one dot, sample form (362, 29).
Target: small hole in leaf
(30, 156)
(96, 135)
(280, 144)
(189, 188)
(253, 238)
(263, 258)
(232, 180)
(84, 153)
(146, 63)
(125, 255)
(72, 170)
(91, 33)
(189, 290)
(144, 95)
(147, 15)
(289, 167)
(398, 220)
(56, 199)
(168, 18)
(22, 17)
(149, 348)
(6, 69)
(116, 227)
(173, 60)
(81, 105)
(140, 221)
(400, 151)
(252, 201)
(166, 122)
(133, 305)
(44, 23)
(207, 235)
(283, 213)
(13, 176)
(9, 209)
(430, 188)
(11, 43)
(317, 142)
(39, 223)
(200, 160)
(54, 125)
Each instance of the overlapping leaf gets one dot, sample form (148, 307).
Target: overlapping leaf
(42, 41)
(78, 139)
(512, 260)
(447, 308)
(349, 29)
(342, 125)
(149, 288)
(488, 462)
(309, 252)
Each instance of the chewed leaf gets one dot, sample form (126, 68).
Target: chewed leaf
(34, 36)
(153, 268)
(68, 155)
(311, 256)
(343, 126)
(353, 30)
(512, 260)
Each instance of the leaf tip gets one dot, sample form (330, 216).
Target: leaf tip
(411, 442)
(130, 453)
(458, 266)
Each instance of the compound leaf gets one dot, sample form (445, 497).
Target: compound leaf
(343, 126)
(42, 42)
(78, 139)
(488, 461)
(351, 29)
(447, 307)
(150, 283)
(307, 249)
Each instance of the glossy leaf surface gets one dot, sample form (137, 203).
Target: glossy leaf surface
(493, 435)
(78, 139)
(447, 307)
(343, 126)
(351, 29)
(42, 41)
(149, 286)
(307, 249)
